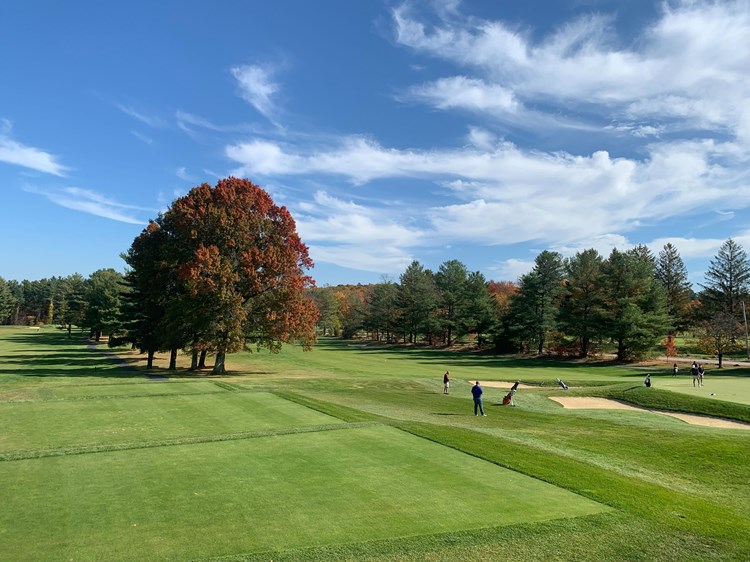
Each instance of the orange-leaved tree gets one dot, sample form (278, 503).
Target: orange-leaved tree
(241, 266)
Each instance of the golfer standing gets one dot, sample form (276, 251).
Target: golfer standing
(446, 382)
(476, 392)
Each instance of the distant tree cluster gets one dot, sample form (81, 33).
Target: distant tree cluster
(437, 307)
(631, 299)
(92, 303)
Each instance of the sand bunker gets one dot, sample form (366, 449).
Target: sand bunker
(589, 403)
(500, 384)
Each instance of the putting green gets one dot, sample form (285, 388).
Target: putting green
(727, 388)
(103, 421)
(252, 495)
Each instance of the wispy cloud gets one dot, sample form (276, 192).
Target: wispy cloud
(92, 203)
(150, 120)
(191, 124)
(511, 269)
(690, 65)
(508, 195)
(461, 92)
(356, 236)
(257, 87)
(688, 247)
(13, 152)
(143, 138)
(183, 174)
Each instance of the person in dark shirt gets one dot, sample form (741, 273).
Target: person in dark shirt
(476, 392)
(446, 382)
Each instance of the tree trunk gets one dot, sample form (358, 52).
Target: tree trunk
(584, 346)
(194, 360)
(98, 336)
(720, 356)
(150, 359)
(173, 359)
(219, 367)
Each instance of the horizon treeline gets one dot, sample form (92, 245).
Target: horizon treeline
(566, 306)
(632, 300)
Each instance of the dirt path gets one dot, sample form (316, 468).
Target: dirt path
(589, 403)
(727, 362)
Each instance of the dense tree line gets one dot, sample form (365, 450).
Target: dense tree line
(630, 300)
(91, 303)
(223, 267)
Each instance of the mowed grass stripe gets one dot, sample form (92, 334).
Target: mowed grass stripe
(123, 390)
(82, 450)
(279, 492)
(33, 426)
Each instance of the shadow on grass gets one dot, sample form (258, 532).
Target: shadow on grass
(47, 354)
(54, 354)
(429, 355)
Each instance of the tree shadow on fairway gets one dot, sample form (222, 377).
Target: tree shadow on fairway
(53, 354)
(461, 359)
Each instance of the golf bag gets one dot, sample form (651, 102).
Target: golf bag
(508, 398)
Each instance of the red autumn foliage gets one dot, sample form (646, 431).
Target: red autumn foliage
(242, 260)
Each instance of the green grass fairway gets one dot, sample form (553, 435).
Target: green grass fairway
(287, 491)
(108, 421)
(352, 453)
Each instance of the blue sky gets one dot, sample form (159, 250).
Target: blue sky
(482, 131)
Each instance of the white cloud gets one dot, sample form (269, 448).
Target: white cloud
(257, 87)
(330, 219)
(191, 124)
(603, 244)
(510, 195)
(150, 120)
(13, 152)
(183, 174)
(688, 247)
(675, 96)
(379, 260)
(460, 92)
(355, 236)
(691, 64)
(481, 138)
(143, 138)
(93, 203)
(511, 269)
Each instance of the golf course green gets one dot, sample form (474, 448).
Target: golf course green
(353, 452)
